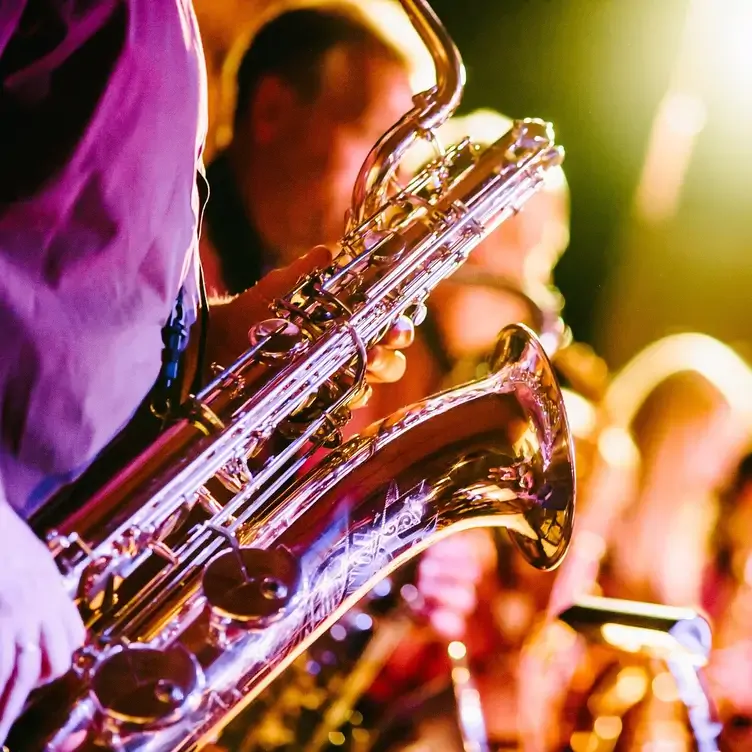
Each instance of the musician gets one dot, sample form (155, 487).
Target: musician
(102, 125)
(688, 427)
(316, 89)
(682, 403)
(727, 598)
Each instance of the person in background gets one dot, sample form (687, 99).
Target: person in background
(681, 404)
(675, 420)
(727, 598)
(316, 89)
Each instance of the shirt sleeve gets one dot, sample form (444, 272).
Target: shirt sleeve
(10, 15)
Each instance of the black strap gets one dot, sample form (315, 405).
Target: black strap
(166, 392)
(198, 376)
(204, 193)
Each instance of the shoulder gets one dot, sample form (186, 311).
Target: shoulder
(73, 74)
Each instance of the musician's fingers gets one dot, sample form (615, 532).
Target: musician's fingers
(57, 648)
(385, 366)
(22, 681)
(231, 318)
(279, 281)
(400, 336)
(362, 399)
(73, 623)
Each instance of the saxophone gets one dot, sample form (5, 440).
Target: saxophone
(646, 636)
(208, 565)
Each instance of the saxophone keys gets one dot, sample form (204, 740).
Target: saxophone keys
(417, 313)
(138, 687)
(248, 589)
(384, 246)
(276, 340)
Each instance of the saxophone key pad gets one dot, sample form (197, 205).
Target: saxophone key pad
(277, 340)
(250, 587)
(144, 687)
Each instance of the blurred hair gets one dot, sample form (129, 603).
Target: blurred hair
(670, 398)
(294, 43)
(722, 543)
(684, 400)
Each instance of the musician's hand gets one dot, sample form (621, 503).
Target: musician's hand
(230, 321)
(449, 576)
(40, 627)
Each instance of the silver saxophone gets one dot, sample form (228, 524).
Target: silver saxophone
(209, 563)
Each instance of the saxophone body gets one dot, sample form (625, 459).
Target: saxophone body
(210, 563)
(204, 635)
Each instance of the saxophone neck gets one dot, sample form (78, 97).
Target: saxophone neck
(431, 108)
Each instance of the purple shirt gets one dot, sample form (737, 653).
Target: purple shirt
(102, 122)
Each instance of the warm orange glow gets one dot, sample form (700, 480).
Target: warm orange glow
(680, 119)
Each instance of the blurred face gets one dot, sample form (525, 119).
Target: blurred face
(315, 149)
(522, 251)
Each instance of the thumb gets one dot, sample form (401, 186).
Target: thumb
(231, 319)
(279, 281)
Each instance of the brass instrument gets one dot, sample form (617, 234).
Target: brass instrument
(678, 638)
(606, 497)
(207, 566)
(313, 706)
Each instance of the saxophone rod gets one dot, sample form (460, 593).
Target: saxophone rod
(432, 108)
(472, 726)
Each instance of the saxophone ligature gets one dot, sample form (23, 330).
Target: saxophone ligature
(206, 566)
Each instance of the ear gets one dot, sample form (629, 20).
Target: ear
(271, 110)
